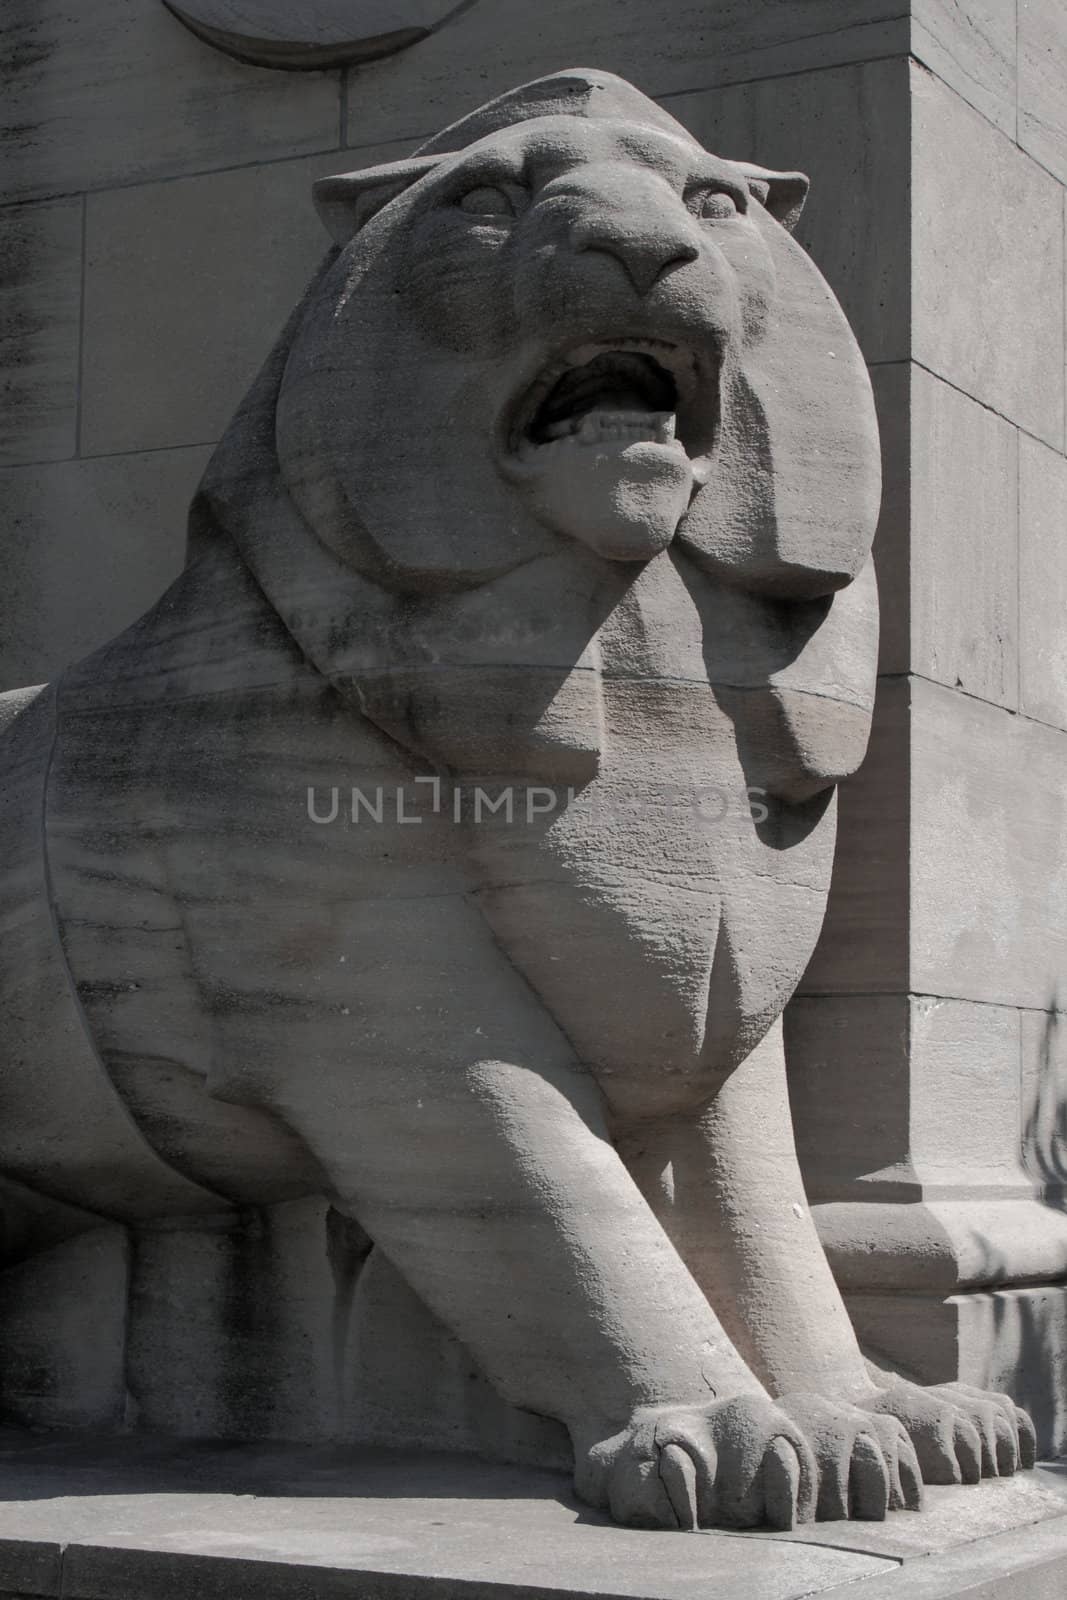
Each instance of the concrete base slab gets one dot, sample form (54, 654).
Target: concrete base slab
(134, 1519)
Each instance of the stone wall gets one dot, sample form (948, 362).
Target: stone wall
(938, 990)
(156, 230)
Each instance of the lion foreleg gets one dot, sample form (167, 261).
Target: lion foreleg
(726, 1183)
(473, 1150)
(493, 1188)
(498, 1196)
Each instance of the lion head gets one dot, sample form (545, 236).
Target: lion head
(559, 341)
(565, 319)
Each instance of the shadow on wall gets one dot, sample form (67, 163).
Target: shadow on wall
(1025, 1328)
(1044, 1128)
(1015, 1341)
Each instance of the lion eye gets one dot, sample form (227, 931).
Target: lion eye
(714, 204)
(487, 201)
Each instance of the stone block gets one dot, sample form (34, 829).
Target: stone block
(988, 859)
(104, 93)
(945, 1119)
(1042, 583)
(951, 866)
(964, 1096)
(847, 128)
(88, 546)
(987, 262)
(63, 1333)
(251, 1307)
(1042, 73)
(1024, 1564)
(946, 548)
(964, 552)
(40, 320)
(31, 1567)
(979, 1237)
(863, 948)
(971, 47)
(852, 1144)
(187, 284)
(665, 48)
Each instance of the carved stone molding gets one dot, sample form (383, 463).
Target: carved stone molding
(322, 33)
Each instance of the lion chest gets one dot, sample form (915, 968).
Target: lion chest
(276, 892)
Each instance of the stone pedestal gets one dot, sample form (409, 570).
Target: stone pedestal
(173, 1522)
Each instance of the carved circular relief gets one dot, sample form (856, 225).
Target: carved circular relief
(319, 33)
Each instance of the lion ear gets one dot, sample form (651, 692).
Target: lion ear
(782, 193)
(348, 201)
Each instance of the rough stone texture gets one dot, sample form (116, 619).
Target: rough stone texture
(995, 1337)
(40, 308)
(1023, 1565)
(972, 48)
(79, 564)
(964, 1100)
(63, 1333)
(864, 947)
(1042, 69)
(1042, 583)
(249, 1306)
(964, 539)
(1044, 1096)
(952, 1128)
(106, 92)
(939, 1196)
(989, 844)
(844, 126)
(852, 1144)
(892, 385)
(164, 1520)
(186, 283)
(331, 32)
(987, 263)
(668, 48)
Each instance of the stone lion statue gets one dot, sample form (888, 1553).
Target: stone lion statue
(449, 838)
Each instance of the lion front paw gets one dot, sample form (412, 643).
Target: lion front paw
(960, 1433)
(867, 1464)
(737, 1464)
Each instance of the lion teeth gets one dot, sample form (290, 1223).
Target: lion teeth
(595, 427)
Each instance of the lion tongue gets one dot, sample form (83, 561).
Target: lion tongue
(624, 505)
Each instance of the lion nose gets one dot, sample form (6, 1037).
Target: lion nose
(646, 250)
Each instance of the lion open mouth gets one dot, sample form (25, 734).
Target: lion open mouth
(612, 439)
(608, 394)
